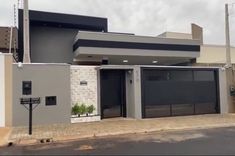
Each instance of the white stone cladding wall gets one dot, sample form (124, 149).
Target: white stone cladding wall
(86, 94)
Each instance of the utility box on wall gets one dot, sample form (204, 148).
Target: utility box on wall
(27, 87)
(42, 80)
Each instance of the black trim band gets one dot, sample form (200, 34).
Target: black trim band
(135, 45)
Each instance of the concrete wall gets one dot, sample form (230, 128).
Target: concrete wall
(8, 89)
(197, 32)
(214, 54)
(87, 94)
(5, 90)
(225, 106)
(47, 80)
(137, 92)
(130, 101)
(52, 45)
(176, 35)
(2, 91)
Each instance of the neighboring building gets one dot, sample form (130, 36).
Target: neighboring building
(210, 54)
(214, 55)
(196, 34)
(5, 35)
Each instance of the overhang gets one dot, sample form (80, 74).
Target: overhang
(95, 46)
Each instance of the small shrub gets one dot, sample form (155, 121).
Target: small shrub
(83, 109)
(90, 109)
(75, 109)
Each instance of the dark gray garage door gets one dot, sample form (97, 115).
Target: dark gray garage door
(175, 92)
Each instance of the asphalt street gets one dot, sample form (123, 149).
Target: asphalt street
(219, 141)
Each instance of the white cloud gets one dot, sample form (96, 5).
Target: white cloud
(142, 17)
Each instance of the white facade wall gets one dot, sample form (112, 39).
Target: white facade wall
(225, 106)
(87, 94)
(2, 90)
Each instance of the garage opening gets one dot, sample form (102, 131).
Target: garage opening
(179, 91)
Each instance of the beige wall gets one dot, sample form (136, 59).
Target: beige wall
(175, 35)
(8, 90)
(5, 90)
(2, 90)
(214, 54)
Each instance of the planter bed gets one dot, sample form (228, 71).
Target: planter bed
(84, 118)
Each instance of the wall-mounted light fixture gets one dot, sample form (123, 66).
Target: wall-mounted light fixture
(155, 62)
(20, 65)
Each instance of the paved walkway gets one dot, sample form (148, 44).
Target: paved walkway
(4, 134)
(61, 132)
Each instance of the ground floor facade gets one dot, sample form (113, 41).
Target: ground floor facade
(158, 91)
(129, 91)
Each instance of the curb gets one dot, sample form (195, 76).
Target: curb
(24, 142)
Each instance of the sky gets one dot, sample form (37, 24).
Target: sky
(142, 17)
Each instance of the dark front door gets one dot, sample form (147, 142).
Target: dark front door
(113, 93)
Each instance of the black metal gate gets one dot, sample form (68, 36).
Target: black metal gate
(179, 91)
(113, 99)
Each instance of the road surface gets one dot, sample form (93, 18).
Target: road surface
(220, 141)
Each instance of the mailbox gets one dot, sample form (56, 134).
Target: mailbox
(27, 87)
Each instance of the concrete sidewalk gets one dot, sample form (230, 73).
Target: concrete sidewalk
(4, 135)
(62, 132)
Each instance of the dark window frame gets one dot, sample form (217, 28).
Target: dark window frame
(51, 101)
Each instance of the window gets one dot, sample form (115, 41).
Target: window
(50, 100)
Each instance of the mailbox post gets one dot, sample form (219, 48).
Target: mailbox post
(29, 102)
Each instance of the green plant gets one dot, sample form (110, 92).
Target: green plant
(75, 109)
(83, 109)
(90, 109)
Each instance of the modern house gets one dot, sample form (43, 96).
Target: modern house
(76, 60)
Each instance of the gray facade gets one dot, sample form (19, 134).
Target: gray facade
(207, 91)
(124, 49)
(58, 25)
(52, 45)
(47, 80)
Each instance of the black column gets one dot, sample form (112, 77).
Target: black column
(30, 116)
